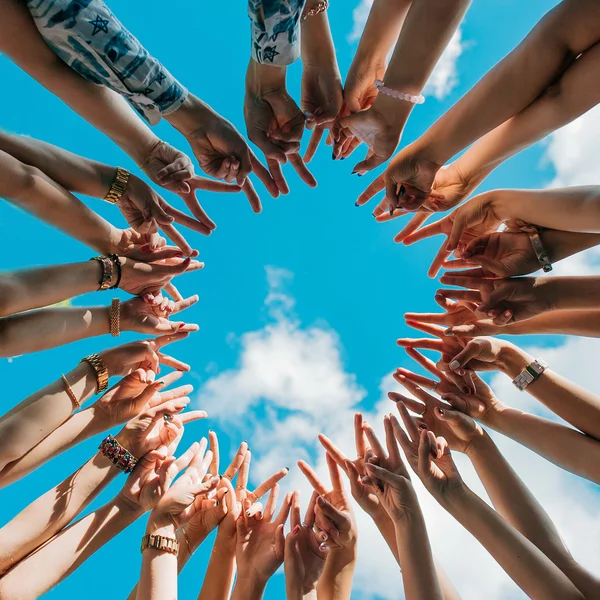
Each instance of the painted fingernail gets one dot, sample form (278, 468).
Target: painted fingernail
(449, 332)
(287, 469)
(392, 211)
(401, 191)
(422, 426)
(333, 155)
(323, 548)
(441, 411)
(374, 215)
(454, 364)
(323, 536)
(145, 248)
(356, 204)
(343, 158)
(296, 530)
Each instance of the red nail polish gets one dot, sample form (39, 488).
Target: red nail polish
(296, 530)
(145, 248)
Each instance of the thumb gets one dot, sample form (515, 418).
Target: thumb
(371, 162)
(471, 351)
(380, 473)
(147, 394)
(454, 419)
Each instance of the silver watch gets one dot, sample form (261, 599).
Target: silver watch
(530, 373)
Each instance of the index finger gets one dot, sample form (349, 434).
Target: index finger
(337, 455)
(312, 477)
(359, 436)
(237, 462)
(269, 483)
(334, 473)
(295, 519)
(372, 189)
(263, 174)
(473, 283)
(425, 232)
(313, 143)
(435, 330)
(374, 441)
(309, 517)
(252, 196)
(302, 170)
(213, 443)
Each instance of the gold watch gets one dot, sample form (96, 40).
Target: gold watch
(118, 187)
(159, 542)
(100, 369)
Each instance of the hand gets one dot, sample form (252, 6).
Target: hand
(459, 430)
(152, 477)
(304, 556)
(274, 122)
(487, 352)
(429, 457)
(141, 278)
(137, 315)
(503, 300)
(159, 425)
(136, 392)
(408, 181)
(260, 540)
(127, 358)
(188, 496)
(169, 168)
(355, 470)
(388, 477)
(502, 254)
(334, 519)
(457, 313)
(321, 102)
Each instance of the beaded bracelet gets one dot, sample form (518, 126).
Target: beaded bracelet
(117, 264)
(398, 95)
(119, 456)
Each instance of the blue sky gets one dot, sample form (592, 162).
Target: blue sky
(299, 306)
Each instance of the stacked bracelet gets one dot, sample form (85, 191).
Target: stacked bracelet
(119, 456)
(115, 317)
(110, 264)
(398, 95)
(100, 369)
(118, 186)
(117, 264)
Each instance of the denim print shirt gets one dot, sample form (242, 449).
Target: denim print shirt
(275, 30)
(91, 40)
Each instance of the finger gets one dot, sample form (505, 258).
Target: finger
(309, 515)
(312, 477)
(473, 283)
(269, 483)
(437, 262)
(284, 511)
(413, 225)
(271, 504)
(334, 474)
(425, 343)
(380, 473)
(170, 289)
(175, 363)
(170, 378)
(393, 451)
(426, 232)
(192, 415)
(427, 364)
(302, 170)
(333, 450)
(359, 436)
(409, 423)
(210, 185)
(425, 382)
(295, 519)
(460, 263)
(372, 189)
(237, 462)
(213, 442)
(252, 196)
(313, 143)
(181, 305)
(242, 480)
(277, 175)
(415, 405)
(263, 174)
(434, 330)
(374, 441)
(177, 239)
(424, 453)
(464, 295)
(372, 161)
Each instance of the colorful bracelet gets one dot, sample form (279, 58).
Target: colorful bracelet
(96, 362)
(398, 95)
(318, 9)
(118, 186)
(119, 456)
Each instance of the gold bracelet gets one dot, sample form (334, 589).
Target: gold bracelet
(118, 187)
(99, 367)
(159, 542)
(319, 8)
(115, 317)
(183, 533)
(107, 272)
(71, 393)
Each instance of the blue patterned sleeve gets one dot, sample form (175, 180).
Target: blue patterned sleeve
(275, 30)
(91, 40)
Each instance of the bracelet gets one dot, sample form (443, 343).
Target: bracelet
(152, 153)
(183, 533)
(398, 95)
(119, 456)
(118, 186)
(96, 362)
(160, 542)
(115, 317)
(107, 271)
(116, 261)
(530, 373)
(71, 393)
(319, 8)
(540, 251)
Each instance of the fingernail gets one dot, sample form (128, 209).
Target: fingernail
(334, 532)
(356, 204)
(360, 174)
(441, 411)
(296, 530)
(287, 469)
(343, 158)
(323, 536)
(321, 501)
(374, 215)
(422, 426)
(392, 211)
(323, 548)
(179, 255)
(145, 248)
(210, 431)
(449, 332)
(401, 191)
(333, 155)
(454, 364)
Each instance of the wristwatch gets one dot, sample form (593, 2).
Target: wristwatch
(159, 542)
(530, 373)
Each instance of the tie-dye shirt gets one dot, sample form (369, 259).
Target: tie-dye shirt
(91, 40)
(275, 30)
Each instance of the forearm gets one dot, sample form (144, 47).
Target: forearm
(527, 566)
(560, 322)
(387, 531)
(44, 286)
(575, 209)
(571, 402)
(248, 589)
(75, 173)
(515, 82)
(336, 580)
(158, 579)
(101, 107)
(66, 552)
(81, 426)
(47, 515)
(381, 30)
(419, 575)
(513, 501)
(220, 571)
(40, 414)
(562, 244)
(50, 327)
(316, 43)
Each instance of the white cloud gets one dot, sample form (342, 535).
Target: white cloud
(573, 151)
(291, 384)
(444, 77)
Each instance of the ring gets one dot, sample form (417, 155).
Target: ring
(240, 487)
(306, 525)
(167, 418)
(225, 476)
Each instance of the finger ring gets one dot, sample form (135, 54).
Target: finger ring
(240, 487)
(225, 476)
(306, 525)
(168, 418)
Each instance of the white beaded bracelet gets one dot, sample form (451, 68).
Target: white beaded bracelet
(398, 95)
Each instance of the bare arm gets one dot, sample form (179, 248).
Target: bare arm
(336, 580)
(513, 501)
(106, 110)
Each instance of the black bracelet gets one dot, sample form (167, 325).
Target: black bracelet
(118, 266)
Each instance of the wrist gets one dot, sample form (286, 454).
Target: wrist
(262, 79)
(512, 360)
(249, 586)
(160, 524)
(190, 116)
(394, 112)
(455, 498)
(479, 445)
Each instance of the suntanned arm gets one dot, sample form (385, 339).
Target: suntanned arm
(106, 110)
(335, 582)
(513, 500)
